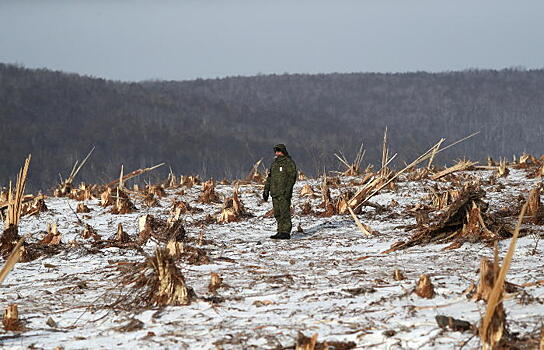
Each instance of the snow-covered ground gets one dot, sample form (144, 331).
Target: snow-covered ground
(330, 280)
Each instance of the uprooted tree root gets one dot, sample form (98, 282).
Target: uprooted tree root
(464, 220)
(155, 282)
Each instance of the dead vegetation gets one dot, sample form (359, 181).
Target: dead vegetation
(155, 282)
(454, 212)
(233, 208)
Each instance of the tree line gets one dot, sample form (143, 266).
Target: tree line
(220, 127)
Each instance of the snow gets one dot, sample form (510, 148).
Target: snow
(274, 289)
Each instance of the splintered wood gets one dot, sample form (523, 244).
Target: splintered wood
(15, 198)
(459, 222)
(172, 289)
(462, 165)
(156, 282)
(53, 236)
(215, 282)
(208, 193)
(11, 320)
(121, 236)
(424, 287)
(535, 212)
(233, 209)
(493, 324)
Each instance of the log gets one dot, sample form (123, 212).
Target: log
(131, 175)
(461, 166)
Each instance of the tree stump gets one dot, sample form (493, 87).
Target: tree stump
(425, 288)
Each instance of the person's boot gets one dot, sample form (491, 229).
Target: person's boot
(275, 236)
(281, 235)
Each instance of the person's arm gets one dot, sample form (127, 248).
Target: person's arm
(291, 176)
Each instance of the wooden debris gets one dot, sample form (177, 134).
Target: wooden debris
(208, 193)
(493, 324)
(11, 320)
(233, 209)
(155, 190)
(37, 206)
(172, 180)
(327, 204)
(306, 343)
(90, 232)
(353, 168)
(460, 221)
(535, 212)
(121, 236)
(175, 249)
(215, 282)
(398, 275)
(151, 201)
(502, 170)
(15, 199)
(156, 282)
(425, 288)
(82, 208)
(189, 181)
(106, 198)
(310, 343)
(144, 228)
(254, 175)
(53, 236)
(135, 173)
(12, 259)
(172, 289)
(488, 275)
(367, 230)
(161, 230)
(122, 204)
(308, 191)
(460, 166)
(306, 209)
(66, 186)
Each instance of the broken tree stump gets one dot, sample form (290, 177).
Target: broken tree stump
(534, 208)
(82, 208)
(425, 288)
(11, 320)
(398, 275)
(53, 236)
(215, 282)
(121, 236)
(487, 280)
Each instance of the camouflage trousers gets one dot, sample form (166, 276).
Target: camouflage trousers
(282, 213)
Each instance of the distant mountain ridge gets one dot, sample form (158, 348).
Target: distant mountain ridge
(220, 127)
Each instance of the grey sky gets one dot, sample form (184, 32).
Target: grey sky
(186, 39)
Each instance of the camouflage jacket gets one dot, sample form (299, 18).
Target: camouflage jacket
(281, 177)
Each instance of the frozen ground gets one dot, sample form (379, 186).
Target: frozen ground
(330, 280)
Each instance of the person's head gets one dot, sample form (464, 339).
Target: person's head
(280, 150)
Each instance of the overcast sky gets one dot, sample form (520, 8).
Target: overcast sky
(186, 39)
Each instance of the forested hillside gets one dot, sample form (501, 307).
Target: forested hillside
(221, 127)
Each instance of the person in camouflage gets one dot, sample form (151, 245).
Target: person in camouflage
(279, 183)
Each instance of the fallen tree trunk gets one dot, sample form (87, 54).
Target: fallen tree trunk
(131, 175)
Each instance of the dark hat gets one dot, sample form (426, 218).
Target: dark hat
(281, 148)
